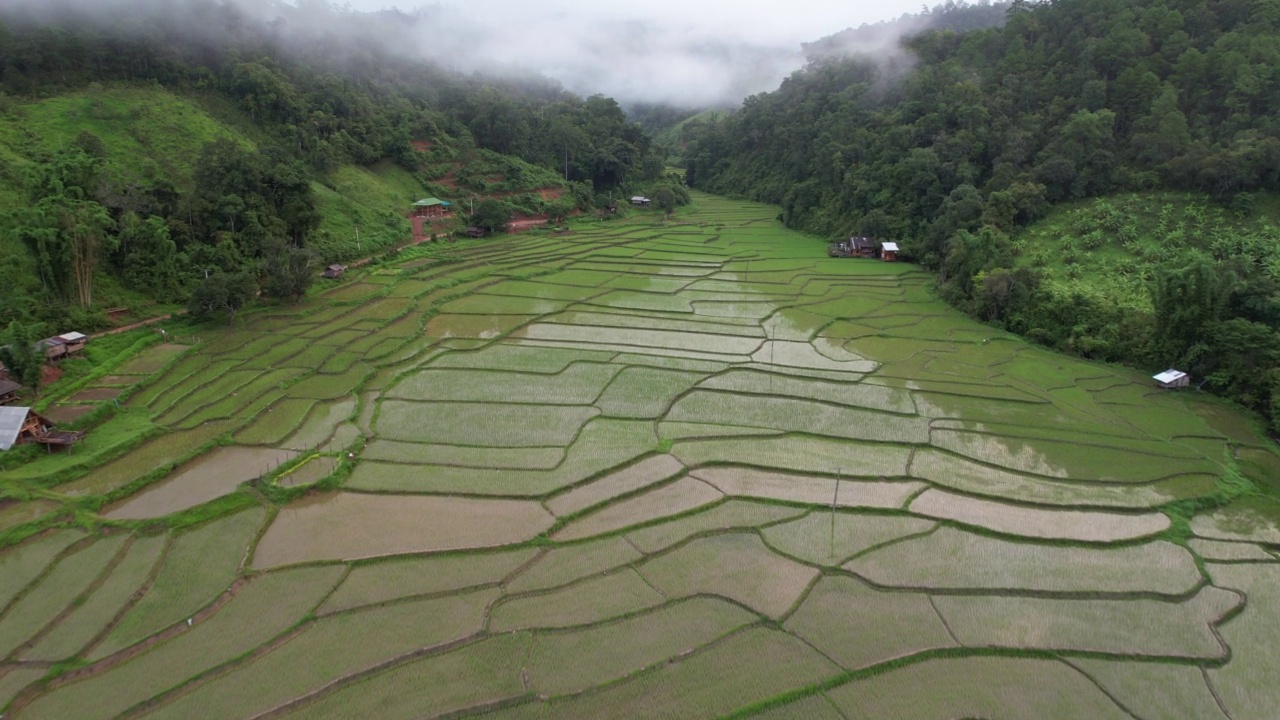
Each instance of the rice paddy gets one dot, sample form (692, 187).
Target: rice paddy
(682, 469)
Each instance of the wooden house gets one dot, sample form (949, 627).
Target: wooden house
(20, 425)
(431, 207)
(1171, 379)
(641, 201)
(863, 247)
(54, 348)
(75, 342)
(889, 251)
(8, 391)
(335, 271)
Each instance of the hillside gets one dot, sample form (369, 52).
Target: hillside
(955, 142)
(222, 155)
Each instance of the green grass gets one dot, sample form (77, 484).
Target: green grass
(475, 675)
(859, 626)
(563, 565)
(484, 424)
(1137, 627)
(100, 608)
(260, 611)
(568, 662)
(591, 601)
(329, 650)
(748, 667)
(69, 578)
(378, 582)
(734, 565)
(950, 559)
(21, 565)
(976, 687)
(578, 384)
(199, 565)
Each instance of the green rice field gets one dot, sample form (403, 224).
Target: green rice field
(689, 468)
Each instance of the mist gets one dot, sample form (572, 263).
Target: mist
(712, 53)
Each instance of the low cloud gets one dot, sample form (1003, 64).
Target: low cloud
(692, 54)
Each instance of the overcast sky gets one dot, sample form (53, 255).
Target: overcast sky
(689, 52)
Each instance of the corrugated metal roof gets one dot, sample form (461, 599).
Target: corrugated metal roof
(73, 336)
(428, 202)
(891, 246)
(11, 419)
(1169, 376)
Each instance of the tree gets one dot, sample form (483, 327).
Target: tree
(21, 357)
(492, 215)
(666, 200)
(223, 292)
(1186, 300)
(150, 257)
(289, 272)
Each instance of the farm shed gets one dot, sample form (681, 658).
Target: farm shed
(475, 232)
(431, 207)
(859, 247)
(75, 342)
(640, 201)
(335, 271)
(889, 251)
(1170, 379)
(8, 391)
(54, 348)
(20, 425)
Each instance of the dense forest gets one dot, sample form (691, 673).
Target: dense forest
(316, 88)
(959, 141)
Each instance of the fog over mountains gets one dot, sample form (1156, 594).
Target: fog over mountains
(709, 53)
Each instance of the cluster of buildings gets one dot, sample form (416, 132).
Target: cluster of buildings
(20, 425)
(864, 247)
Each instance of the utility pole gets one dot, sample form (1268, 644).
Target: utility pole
(357, 238)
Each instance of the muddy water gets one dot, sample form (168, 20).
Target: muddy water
(349, 526)
(210, 476)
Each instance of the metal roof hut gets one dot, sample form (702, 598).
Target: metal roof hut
(431, 207)
(475, 231)
(1171, 379)
(75, 342)
(889, 251)
(335, 271)
(641, 201)
(20, 425)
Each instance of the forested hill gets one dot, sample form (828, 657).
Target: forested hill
(991, 129)
(160, 150)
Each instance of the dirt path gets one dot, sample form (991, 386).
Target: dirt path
(131, 326)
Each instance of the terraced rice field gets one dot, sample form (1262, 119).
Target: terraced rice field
(677, 470)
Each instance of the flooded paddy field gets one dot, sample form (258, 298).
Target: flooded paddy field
(685, 469)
